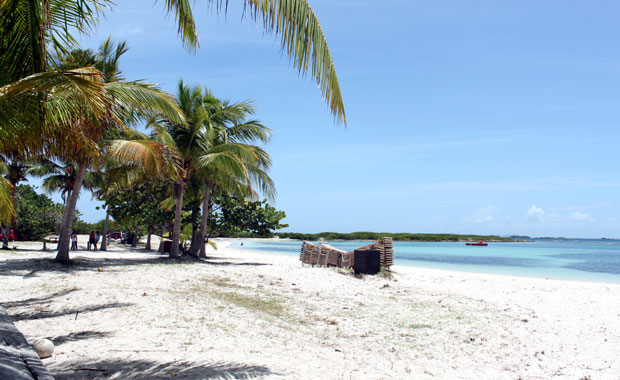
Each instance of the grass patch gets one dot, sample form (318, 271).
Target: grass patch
(267, 306)
(223, 283)
(386, 273)
(419, 326)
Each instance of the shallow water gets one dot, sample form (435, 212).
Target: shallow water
(568, 259)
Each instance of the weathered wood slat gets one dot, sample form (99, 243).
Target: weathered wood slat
(327, 255)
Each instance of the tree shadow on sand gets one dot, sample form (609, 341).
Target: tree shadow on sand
(144, 369)
(37, 300)
(43, 313)
(31, 267)
(81, 335)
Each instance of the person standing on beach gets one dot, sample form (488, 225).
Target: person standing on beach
(74, 241)
(97, 237)
(91, 240)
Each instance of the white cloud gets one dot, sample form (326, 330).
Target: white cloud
(537, 214)
(580, 216)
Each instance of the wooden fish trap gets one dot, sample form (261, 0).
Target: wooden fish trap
(327, 256)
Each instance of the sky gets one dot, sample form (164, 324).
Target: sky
(468, 116)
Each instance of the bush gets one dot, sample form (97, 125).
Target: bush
(37, 214)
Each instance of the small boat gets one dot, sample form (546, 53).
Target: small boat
(478, 244)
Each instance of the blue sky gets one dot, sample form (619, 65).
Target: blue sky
(463, 116)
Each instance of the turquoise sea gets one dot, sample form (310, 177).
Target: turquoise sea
(568, 259)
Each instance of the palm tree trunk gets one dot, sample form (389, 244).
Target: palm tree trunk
(134, 240)
(161, 241)
(104, 242)
(176, 230)
(203, 221)
(195, 244)
(148, 239)
(5, 241)
(65, 198)
(67, 220)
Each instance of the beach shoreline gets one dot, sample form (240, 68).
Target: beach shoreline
(127, 314)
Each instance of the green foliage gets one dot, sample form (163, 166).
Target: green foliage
(240, 217)
(98, 226)
(139, 205)
(399, 236)
(37, 214)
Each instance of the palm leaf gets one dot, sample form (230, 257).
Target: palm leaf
(302, 38)
(185, 21)
(153, 157)
(7, 210)
(146, 97)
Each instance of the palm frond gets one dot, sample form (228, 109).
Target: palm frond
(153, 157)
(7, 210)
(185, 21)
(303, 40)
(147, 97)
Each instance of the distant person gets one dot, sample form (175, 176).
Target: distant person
(97, 237)
(74, 241)
(12, 236)
(91, 240)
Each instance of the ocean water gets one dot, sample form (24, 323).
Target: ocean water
(568, 259)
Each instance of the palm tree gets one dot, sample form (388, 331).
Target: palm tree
(211, 149)
(107, 180)
(84, 144)
(231, 146)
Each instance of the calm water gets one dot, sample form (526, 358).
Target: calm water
(578, 259)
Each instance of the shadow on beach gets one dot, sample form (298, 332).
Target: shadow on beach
(81, 335)
(43, 313)
(17, 267)
(37, 300)
(144, 369)
(30, 267)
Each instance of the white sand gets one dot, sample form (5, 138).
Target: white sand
(259, 316)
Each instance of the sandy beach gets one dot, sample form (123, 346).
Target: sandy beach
(131, 314)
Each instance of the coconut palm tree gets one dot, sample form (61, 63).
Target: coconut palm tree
(211, 149)
(230, 144)
(84, 144)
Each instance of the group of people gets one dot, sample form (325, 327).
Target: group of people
(93, 240)
(11, 236)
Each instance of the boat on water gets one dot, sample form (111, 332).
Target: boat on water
(478, 244)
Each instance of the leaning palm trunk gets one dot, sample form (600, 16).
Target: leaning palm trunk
(203, 221)
(176, 231)
(104, 242)
(67, 220)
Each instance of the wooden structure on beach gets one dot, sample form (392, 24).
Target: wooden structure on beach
(327, 256)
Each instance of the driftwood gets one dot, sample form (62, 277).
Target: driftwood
(327, 256)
